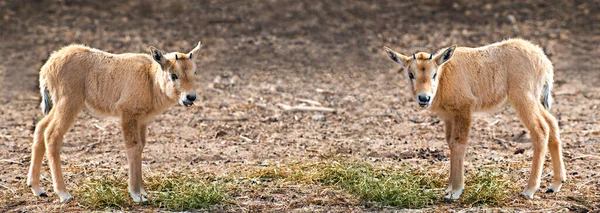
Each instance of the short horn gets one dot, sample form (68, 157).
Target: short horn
(430, 56)
(414, 56)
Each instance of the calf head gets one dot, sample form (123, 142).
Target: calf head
(423, 72)
(179, 69)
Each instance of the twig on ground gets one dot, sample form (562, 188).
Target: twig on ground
(265, 107)
(11, 161)
(494, 122)
(246, 138)
(308, 101)
(583, 184)
(586, 156)
(560, 93)
(6, 187)
(319, 90)
(288, 108)
(229, 119)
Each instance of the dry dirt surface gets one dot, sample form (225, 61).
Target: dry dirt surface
(260, 53)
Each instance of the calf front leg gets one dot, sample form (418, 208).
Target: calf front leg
(133, 148)
(448, 132)
(458, 145)
(143, 130)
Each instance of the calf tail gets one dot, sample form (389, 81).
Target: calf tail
(46, 104)
(546, 96)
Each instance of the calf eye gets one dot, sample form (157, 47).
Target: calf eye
(434, 75)
(174, 76)
(411, 76)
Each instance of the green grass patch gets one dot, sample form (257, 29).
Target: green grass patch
(408, 186)
(105, 193)
(490, 187)
(417, 187)
(411, 188)
(184, 192)
(176, 192)
(270, 173)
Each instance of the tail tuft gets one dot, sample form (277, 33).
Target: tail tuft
(546, 96)
(46, 104)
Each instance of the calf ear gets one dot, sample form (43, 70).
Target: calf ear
(194, 53)
(396, 57)
(157, 55)
(444, 56)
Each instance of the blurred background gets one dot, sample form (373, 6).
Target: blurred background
(257, 54)
(299, 36)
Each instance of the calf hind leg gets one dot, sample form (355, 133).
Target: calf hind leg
(529, 112)
(64, 116)
(37, 155)
(555, 147)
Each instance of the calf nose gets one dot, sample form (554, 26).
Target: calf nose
(424, 98)
(191, 97)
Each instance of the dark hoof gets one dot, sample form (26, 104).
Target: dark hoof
(550, 190)
(29, 185)
(525, 196)
(44, 195)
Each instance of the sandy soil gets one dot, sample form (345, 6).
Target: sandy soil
(269, 52)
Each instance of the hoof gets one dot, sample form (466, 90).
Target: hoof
(138, 199)
(528, 193)
(526, 197)
(65, 197)
(38, 191)
(66, 200)
(453, 195)
(554, 187)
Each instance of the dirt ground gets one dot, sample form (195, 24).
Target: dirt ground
(261, 53)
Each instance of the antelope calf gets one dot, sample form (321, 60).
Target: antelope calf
(134, 87)
(458, 81)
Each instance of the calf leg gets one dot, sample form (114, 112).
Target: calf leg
(133, 148)
(448, 132)
(460, 135)
(555, 147)
(64, 116)
(529, 112)
(37, 155)
(143, 129)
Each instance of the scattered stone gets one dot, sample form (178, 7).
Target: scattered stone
(318, 117)
(511, 19)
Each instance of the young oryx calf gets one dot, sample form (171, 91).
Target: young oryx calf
(134, 87)
(458, 81)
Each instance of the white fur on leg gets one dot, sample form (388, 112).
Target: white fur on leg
(528, 193)
(453, 195)
(554, 187)
(38, 191)
(65, 197)
(137, 198)
(143, 191)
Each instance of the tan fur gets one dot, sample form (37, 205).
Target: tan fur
(483, 79)
(134, 87)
